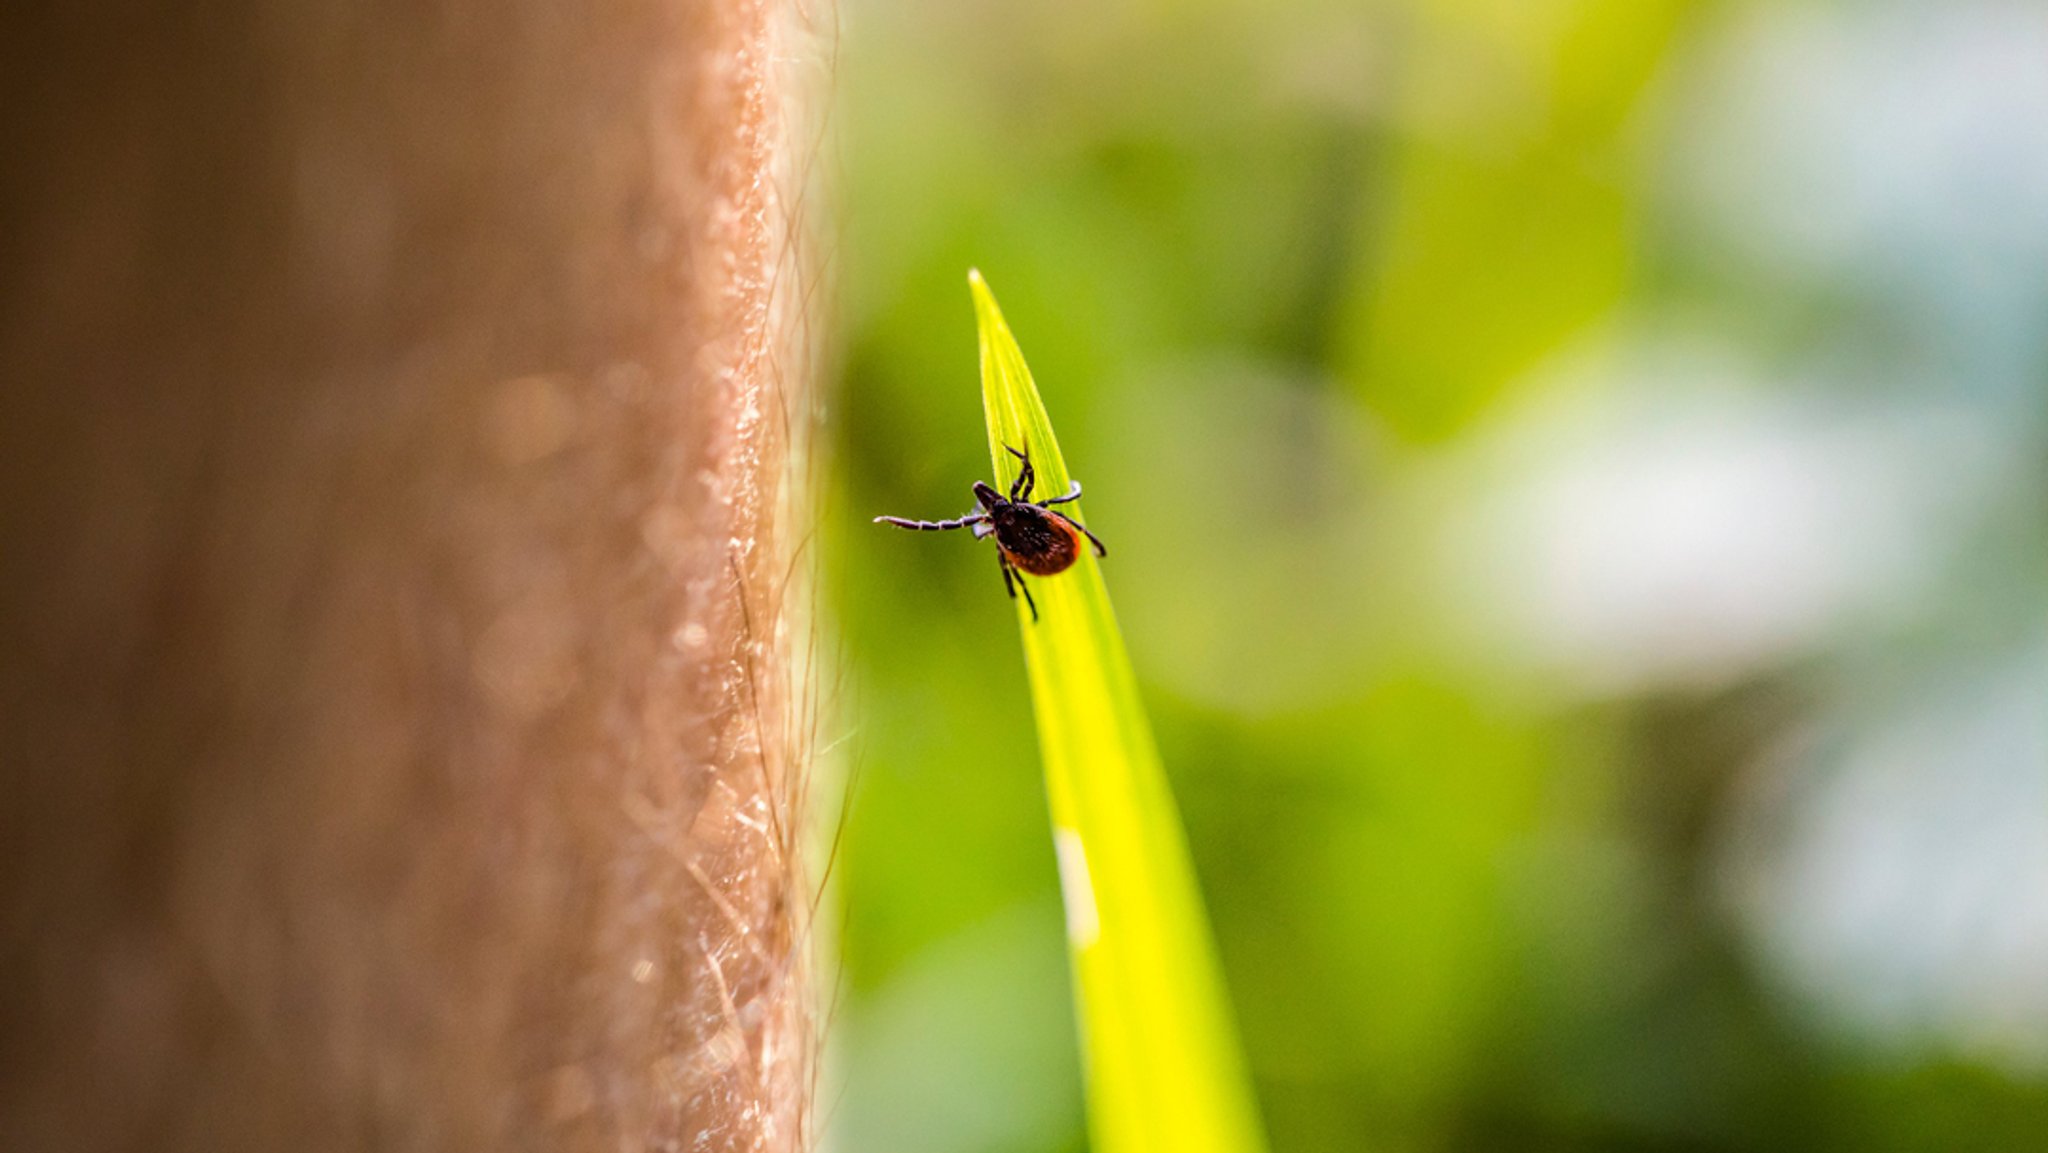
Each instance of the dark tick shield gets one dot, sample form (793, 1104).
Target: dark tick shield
(1030, 536)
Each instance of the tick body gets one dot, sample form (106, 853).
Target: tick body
(1030, 536)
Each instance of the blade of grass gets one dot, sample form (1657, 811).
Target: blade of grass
(1164, 1072)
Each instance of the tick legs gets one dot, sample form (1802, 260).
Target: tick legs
(935, 525)
(1100, 548)
(1022, 488)
(1073, 493)
(1012, 582)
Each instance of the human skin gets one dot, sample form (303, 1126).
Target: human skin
(400, 743)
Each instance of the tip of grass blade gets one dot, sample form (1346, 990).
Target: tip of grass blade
(1163, 1066)
(1009, 397)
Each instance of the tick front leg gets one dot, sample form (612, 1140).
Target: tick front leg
(1073, 493)
(1021, 489)
(933, 525)
(1012, 582)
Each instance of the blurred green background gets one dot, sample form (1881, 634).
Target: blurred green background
(1574, 476)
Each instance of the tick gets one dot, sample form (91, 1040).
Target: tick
(1030, 536)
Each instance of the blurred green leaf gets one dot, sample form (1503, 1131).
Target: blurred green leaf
(1511, 225)
(1164, 1071)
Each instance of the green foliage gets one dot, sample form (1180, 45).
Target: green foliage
(1364, 323)
(1161, 1056)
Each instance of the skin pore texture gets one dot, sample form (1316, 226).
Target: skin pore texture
(403, 420)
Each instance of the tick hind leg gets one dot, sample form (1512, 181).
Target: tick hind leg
(1100, 548)
(1014, 581)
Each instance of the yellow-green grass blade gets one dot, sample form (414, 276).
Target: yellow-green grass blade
(1164, 1072)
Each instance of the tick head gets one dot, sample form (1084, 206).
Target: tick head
(988, 496)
